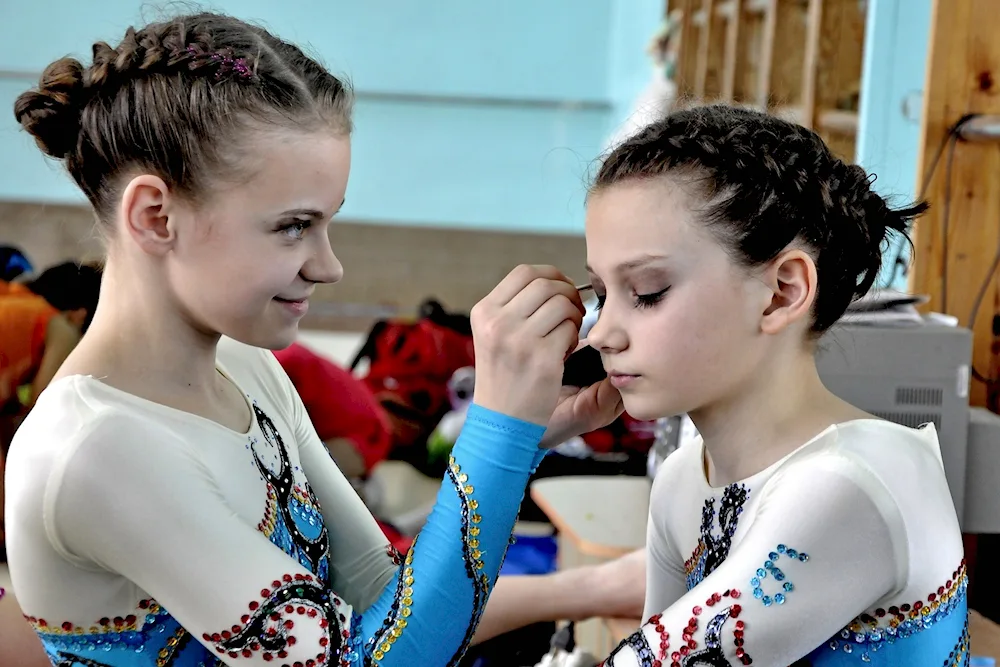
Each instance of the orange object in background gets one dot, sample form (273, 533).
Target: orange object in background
(24, 319)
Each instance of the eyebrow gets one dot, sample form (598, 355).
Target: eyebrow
(309, 212)
(636, 263)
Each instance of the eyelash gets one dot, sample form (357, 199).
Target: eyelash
(641, 300)
(299, 225)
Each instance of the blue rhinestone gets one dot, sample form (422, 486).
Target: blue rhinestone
(755, 582)
(779, 598)
(758, 593)
(762, 573)
(804, 558)
(773, 556)
(789, 587)
(792, 553)
(769, 565)
(778, 575)
(766, 600)
(781, 548)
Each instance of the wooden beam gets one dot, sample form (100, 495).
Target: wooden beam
(704, 45)
(734, 17)
(953, 257)
(767, 52)
(810, 68)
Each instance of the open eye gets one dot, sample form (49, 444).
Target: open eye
(295, 230)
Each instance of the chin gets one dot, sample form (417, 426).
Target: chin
(647, 408)
(277, 339)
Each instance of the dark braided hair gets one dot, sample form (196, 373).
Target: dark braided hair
(765, 184)
(172, 99)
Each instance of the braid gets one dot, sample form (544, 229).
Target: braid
(766, 184)
(170, 98)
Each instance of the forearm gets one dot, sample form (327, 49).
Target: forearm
(613, 589)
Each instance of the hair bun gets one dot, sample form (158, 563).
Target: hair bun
(52, 112)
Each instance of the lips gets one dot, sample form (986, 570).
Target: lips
(622, 380)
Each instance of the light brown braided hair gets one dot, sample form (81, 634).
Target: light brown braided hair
(763, 183)
(175, 99)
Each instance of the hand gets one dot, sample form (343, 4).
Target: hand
(523, 331)
(582, 410)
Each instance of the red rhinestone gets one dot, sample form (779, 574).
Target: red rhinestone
(696, 611)
(144, 604)
(119, 621)
(247, 653)
(323, 623)
(918, 606)
(948, 584)
(738, 641)
(220, 649)
(234, 654)
(275, 584)
(271, 632)
(735, 593)
(310, 663)
(738, 634)
(309, 577)
(655, 618)
(300, 611)
(740, 625)
(941, 591)
(345, 634)
(130, 619)
(254, 606)
(692, 644)
(905, 607)
(264, 593)
(282, 654)
(659, 628)
(657, 663)
(323, 641)
(291, 640)
(289, 624)
(675, 656)
(740, 653)
(216, 637)
(244, 619)
(311, 613)
(299, 577)
(207, 637)
(880, 612)
(297, 664)
(686, 637)
(275, 616)
(289, 609)
(735, 611)
(710, 602)
(746, 660)
(716, 597)
(931, 597)
(675, 664)
(685, 650)
(226, 634)
(67, 626)
(255, 646)
(287, 578)
(268, 657)
(236, 629)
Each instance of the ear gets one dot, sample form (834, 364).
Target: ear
(145, 209)
(791, 276)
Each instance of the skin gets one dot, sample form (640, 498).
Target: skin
(694, 332)
(180, 274)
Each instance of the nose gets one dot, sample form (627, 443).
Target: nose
(323, 266)
(605, 335)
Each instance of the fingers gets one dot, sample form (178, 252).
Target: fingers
(539, 292)
(551, 314)
(515, 282)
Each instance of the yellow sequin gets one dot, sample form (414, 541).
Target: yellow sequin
(476, 518)
(379, 655)
(473, 504)
(474, 531)
(463, 478)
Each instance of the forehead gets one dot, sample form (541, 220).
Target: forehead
(642, 217)
(292, 170)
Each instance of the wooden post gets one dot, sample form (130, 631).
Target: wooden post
(767, 54)
(963, 76)
(704, 45)
(810, 68)
(732, 50)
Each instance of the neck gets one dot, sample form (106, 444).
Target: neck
(136, 339)
(782, 407)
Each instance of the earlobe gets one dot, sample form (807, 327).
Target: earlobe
(792, 279)
(145, 209)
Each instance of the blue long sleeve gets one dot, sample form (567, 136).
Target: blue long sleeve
(429, 614)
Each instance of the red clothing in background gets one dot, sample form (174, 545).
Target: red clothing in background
(339, 404)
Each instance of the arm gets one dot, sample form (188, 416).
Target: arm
(232, 589)
(772, 604)
(60, 339)
(613, 589)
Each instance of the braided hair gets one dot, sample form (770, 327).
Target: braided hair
(767, 183)
(172, 99)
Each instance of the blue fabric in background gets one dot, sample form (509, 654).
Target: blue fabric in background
(530, 555)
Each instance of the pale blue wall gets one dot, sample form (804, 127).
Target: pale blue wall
(469, 113)
(896, 43)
